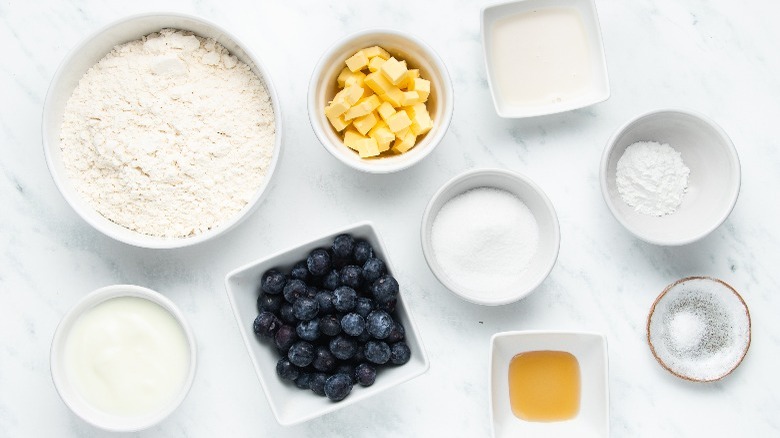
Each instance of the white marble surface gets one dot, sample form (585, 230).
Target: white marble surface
(717, 57)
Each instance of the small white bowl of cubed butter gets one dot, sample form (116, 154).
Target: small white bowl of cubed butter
(380, 100)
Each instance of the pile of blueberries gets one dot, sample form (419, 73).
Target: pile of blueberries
(331, 318)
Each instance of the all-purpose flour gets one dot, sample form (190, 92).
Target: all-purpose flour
(169, 135)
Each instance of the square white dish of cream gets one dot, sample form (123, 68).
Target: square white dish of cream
(544, 56)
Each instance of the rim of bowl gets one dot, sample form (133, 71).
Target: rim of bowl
(89, 301)
(429, 215)
(663, 294)
(736, 182)
(446, 98)
(139, 239)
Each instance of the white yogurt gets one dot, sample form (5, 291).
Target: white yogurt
(541, 57)
(127, 356)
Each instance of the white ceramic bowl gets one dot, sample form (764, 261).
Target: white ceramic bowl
(536, 201)
(713, 184)
(289, 404)
(597, 89)
(419, 55)
(90, 51)
(590, 350)
(69, 393)
(715, 325)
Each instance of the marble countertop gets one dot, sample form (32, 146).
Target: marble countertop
(719, 58)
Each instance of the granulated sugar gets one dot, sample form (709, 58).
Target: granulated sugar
(484, 239)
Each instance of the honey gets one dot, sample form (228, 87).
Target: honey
(544, 386)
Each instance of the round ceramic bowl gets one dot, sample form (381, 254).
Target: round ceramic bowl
(70, 394)
(699, 329)
(713, 183)
(323, 87)
(91, 50)
(539, 205)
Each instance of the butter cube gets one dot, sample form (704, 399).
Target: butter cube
(399, 121)
(337, 107)
(394, 96)
(375, 63)
(362, 107)
(352, 94)
(409, 98)
(394, 70)
(348, 77)
(422, 86)
(338, 122)
(368, 147)
(404, 143)
(352, 138)
(376, 51)
(421, 119)
(383, 135)
(377, 82)
(365, 123)
(385, 110)
(358, 61)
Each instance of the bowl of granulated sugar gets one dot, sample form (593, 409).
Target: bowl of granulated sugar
(699, 329)
(162, 130)
(491, 236)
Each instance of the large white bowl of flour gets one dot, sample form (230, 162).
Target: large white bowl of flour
(162, 138)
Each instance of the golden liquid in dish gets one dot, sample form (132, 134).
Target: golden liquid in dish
(544, 386)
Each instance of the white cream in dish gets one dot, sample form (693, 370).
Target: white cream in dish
(127, 356)
(540, 57)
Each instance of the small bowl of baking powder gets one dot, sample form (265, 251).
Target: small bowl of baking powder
(670, 177)
(490, 236)
(162, 130)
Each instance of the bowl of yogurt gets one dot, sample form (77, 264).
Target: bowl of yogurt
(123, 358)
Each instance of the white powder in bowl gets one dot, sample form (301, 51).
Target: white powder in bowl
(484, 240)
(652, 178)
(169, 135)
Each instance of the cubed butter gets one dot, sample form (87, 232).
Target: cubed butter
(421, 119)
(398, 121)
(337, 107)
(377, 82)
(383, 135)
(338, 123)
(421, 86)
(352, 138)
(375, 63)
(385, 110)
(394, 70)
(365, 123)
(348, 77)
(409, 98)
(368, 147)
(362, 107)
(376, 51)
(352, 94)
(394, 96)
(404, 143)
(358, 61)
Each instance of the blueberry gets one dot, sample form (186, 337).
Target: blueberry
(311, 291)
(362, 251)
(343, 347)
(305, 308)
(344, 298)
(373, 268)
(377, 352)
(346, 369)
(325, 302)
(353, 324)
(397, 333)
(300, 271)
(400, 353)
(364, 306)
(286, 370)
(359, 355)
(301, 354)
(332, 280)
(365, 374)
(364, 337)
(343, 246)
(352, 276)
(384, 290)
(286, 314)
(317, 383)
(266, 324)
(284, 338)
(269, 302)
(294, 289)
(273, 282)
(338, 387)
(379, 324)
(318, 262)
(330, 325)
(303, 381)
(324, 360)
(308, 330)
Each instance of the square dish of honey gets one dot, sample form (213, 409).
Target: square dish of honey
(549, 384)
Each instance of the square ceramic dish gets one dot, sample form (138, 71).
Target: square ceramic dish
(595, 83)
(590, 350)
(289, 404)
